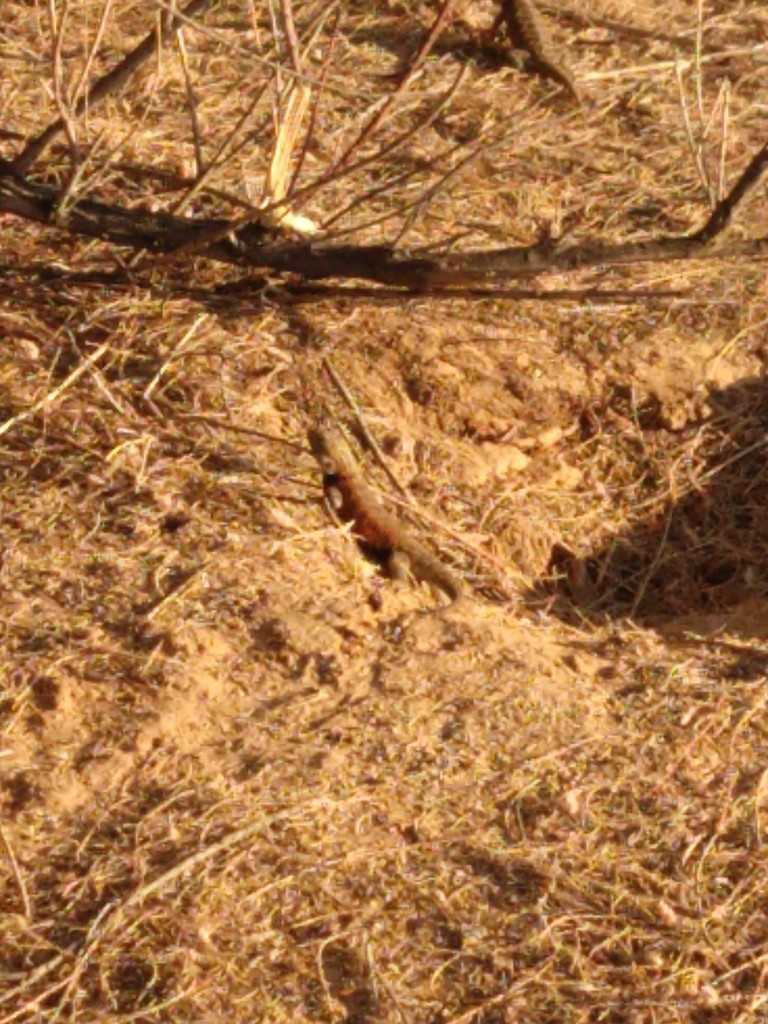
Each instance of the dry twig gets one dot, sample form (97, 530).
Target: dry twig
(108, 84)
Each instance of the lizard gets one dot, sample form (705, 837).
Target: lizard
(379, 532)
(525, 26)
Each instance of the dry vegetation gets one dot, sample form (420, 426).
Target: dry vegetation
(243, 777)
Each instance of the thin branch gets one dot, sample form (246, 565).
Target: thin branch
(720, 217)
(18, 876)
(58, 28)
(255, 57)
(441, 20)
(315, 108)
(425, 198)
(421, 126)
(57, 392)
(301, 195)
(226, 151)
(291, 38)
(192, 105)
(370, 440)
(644, 71)
(92, 51)
(695, 145)
(725, 94)
(109, 83)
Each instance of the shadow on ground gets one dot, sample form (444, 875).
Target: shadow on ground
(699, 549)
(458, 39)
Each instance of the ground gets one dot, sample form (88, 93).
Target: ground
(243, 775)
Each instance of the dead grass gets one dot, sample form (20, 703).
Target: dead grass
(242, 776)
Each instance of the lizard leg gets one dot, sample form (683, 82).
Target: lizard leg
(335, 501)
(399, 566)
(497, 23)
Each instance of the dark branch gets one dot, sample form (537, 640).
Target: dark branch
(253, 246)
(720, 217)
(239, 298)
